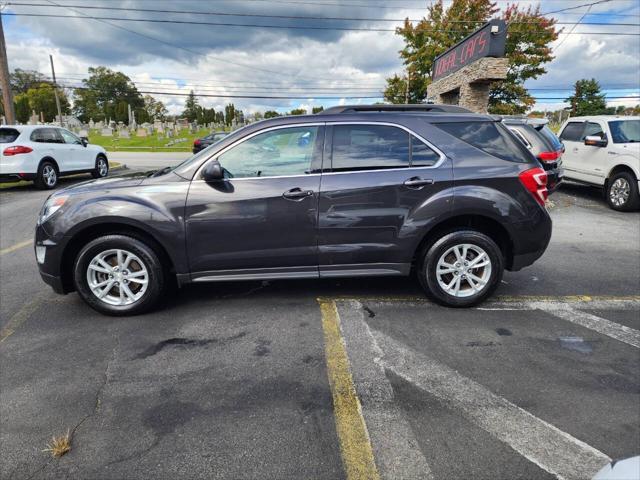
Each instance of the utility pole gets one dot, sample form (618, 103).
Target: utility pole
(55, 91)
(7, 95)
(406, 91)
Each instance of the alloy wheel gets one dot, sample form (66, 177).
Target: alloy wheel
(463, 270)
(49, 175)
(619, 192)
(103, 168)
(117, 277)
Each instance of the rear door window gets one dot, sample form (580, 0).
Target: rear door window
(572, 132)
(46, 135)
(366, 147)
(490, 137)
(8, 135)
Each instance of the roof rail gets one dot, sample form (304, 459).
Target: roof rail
(420, 107)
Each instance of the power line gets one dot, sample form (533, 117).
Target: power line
(284, 27)
(287, 17)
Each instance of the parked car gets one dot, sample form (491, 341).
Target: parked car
(451, 196)
(44, 153)
(605, 151)
(204, 142)
(542, 143)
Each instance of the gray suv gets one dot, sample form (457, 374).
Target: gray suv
(354, 191)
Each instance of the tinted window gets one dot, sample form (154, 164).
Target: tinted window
(421, 154)
(69, 137)
(490, 137)
(592, 129)
(8, 135)
(361, 147)
(45, 135)
(547, 133)
(286, 151)
(625, 131)
(572, 132)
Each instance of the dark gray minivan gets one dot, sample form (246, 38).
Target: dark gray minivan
(355, 191)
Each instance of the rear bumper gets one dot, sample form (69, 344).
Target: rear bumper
(16, 177)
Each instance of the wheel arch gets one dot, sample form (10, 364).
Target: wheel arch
(621, 167)
(91, 231)
(48, 158)
(479, 222)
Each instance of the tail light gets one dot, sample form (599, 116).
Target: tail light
(550, 156)
(535, 181)
(196, 142)
(16, 150)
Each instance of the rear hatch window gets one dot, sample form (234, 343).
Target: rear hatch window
(547, 133)
(8, 135)
(490, 137)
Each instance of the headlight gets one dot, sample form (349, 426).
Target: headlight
(51, 206)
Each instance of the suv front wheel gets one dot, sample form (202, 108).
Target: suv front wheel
(119, 275)
(461, 269)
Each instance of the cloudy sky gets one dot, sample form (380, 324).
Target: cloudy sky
(308, 58)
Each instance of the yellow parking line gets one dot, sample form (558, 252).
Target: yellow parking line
(20, 317)
(355, 445)
(15, 247)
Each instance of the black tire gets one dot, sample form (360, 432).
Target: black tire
(156, 275)
(47, 176)
(432, 253)
(613, 194)
(99, 171)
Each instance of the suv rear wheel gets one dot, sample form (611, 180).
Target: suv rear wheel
(461, 269)
(119, 275)
(47, 176)
(622, 192)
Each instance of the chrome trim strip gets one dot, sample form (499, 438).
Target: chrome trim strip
(440, 161)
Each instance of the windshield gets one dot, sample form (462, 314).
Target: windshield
(625, 131)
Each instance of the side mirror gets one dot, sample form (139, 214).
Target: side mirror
(595, 141)
(85, 141)
(213, 172)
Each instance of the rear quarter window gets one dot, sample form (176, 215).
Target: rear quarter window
(547, 133)
(8, 135)
(490, 137)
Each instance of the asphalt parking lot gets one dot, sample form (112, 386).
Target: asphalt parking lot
(331, 379)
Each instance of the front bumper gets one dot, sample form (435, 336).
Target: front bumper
(50, 262)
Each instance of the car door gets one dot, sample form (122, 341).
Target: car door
(261, 220)
(51, 144)
(593, 160)
(571, 136)
(75, 152)
(374, 177)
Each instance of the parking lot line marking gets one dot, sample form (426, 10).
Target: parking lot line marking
(355, 445)
(501, 300)
(15, 247)
(545, 445)
(20, 317)
(622, 333)
(396, 450)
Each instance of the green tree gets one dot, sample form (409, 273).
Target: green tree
(317, 109)
(23, 80)
(587, 99)
(527, 49)
(101, 94)
(40, 98)
(229, 114)
(298, 111)
(191, 107)
(155, 109)
(22, 108)
(271, 114)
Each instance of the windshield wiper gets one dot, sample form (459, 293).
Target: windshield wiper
(162, 171)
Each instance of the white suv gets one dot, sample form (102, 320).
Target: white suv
(604, 150)
(42, 153)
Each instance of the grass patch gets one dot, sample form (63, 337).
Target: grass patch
(59, 445)
(151, 143)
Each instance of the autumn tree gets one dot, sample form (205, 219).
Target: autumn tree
(527, 48)
(154, 109)
(587, 98)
